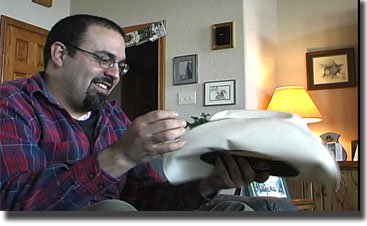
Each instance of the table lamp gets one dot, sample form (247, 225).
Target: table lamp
(295, 100)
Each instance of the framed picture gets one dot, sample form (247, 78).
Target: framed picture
(273, 187)
(354, 148)
(223, 35)
(46, 3)
(330, 69)
(185, 69)
(219, 93)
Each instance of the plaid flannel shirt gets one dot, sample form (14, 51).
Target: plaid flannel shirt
(47, 162)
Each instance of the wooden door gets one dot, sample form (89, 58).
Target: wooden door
(21, 49)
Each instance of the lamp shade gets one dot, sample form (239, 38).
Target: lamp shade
(295, 100)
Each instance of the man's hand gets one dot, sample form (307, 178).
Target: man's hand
(148, 136)
(230, 172)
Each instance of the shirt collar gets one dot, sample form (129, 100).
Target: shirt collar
(40, 87)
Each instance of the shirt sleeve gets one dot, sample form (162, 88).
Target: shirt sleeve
(28, 181)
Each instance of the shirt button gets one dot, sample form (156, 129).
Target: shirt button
(75, 182)
(100, 186)
(90, 176)
(59, 195)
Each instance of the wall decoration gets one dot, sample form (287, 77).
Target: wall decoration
(223, 35)
(354, 148)
(150, 33)
(220, 93)
(330, 69)
(46, 3)
(274, 187)
(185, 69)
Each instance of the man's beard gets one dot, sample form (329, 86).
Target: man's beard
(94, 101)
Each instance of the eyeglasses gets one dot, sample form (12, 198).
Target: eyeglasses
(105, 61)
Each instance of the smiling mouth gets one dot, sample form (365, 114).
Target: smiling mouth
(102, 87)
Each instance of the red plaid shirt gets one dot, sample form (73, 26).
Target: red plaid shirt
(47, 162)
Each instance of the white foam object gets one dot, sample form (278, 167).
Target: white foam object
(255, 133)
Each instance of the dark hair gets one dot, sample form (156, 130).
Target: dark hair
(71, 30)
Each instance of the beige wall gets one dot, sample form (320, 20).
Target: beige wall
(319, 25)
(26, 10)
(189, 32)
(260, 19)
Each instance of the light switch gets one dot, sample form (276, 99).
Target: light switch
(184, 98)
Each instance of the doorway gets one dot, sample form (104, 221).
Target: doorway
(142, 89)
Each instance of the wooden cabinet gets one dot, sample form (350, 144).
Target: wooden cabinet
(325, 198)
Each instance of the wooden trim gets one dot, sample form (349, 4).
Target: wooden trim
(304, 204)
(46, 3)
(162, 73)
(348, 165)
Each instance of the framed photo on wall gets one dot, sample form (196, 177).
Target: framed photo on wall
(223, 35)
(330, 69)
(273, 187)
(185, 69)
(220, 93)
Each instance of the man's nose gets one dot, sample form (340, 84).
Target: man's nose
(113, 72)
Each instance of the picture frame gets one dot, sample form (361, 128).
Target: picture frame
(220, 92)
(273, 187)
(46, 3)
(337, 151)
(354, 148)
(330, 69)
(223, 35)
(185, 69)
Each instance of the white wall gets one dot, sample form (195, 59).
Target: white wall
(27, 11)
(260, 19)
(189, 32)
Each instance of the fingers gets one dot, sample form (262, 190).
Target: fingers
(167, 130)
(157, 115)
(248, 174)
(231, 172)
(262, 177)
(236, 171)
(152, 134)
(162, 148)
(160, 126)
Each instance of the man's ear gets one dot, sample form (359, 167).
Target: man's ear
(58, 52)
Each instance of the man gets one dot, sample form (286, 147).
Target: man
(64, 147)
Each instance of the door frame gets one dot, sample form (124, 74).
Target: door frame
(161, 63)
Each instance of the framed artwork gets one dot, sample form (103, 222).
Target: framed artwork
(185, 69)
(354, 148)
(330, 69)
(223, 35)
(220, 93)
(273, 187)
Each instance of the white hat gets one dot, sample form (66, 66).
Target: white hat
(282, 139)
